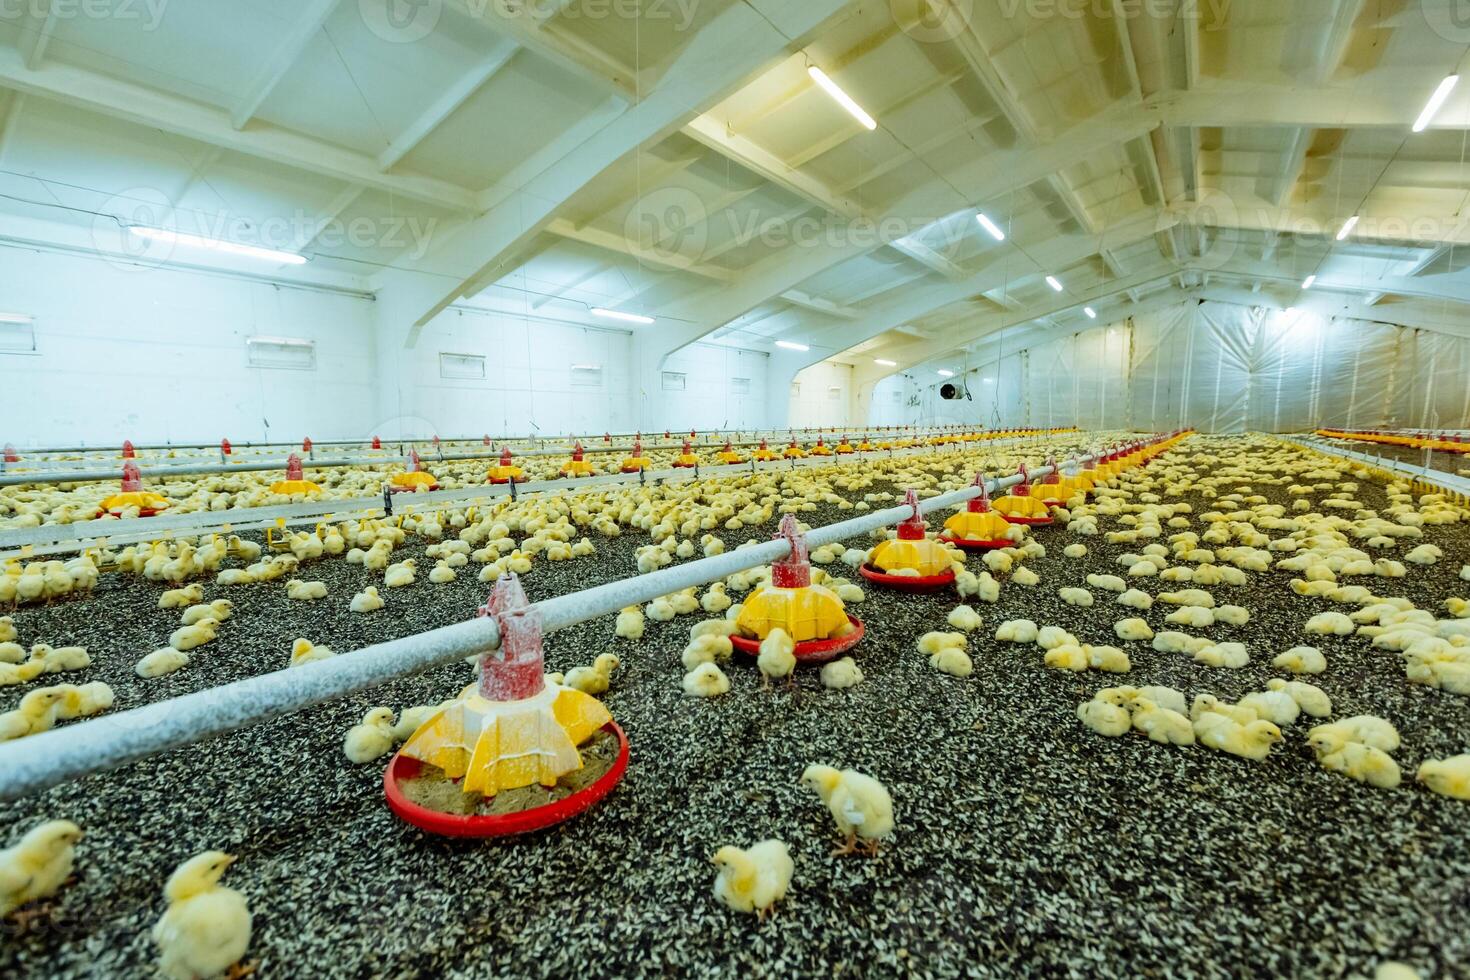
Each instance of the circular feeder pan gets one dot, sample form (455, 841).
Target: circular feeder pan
(519, 479)
(972, 544)
(908, 583)
(142, 512)
(1028, 521)
(504, 824)
(410, 489)
(811, 651)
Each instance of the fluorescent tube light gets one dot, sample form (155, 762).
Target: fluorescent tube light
(16, 318)
(620, 315)
(885, 362)
(1441, 92)
(1091, 313)
(1307, 282)
(1347, 226)
(945, 374)
(1053, 283)
(791, 345)
(216, 245)
(841, 97)
(990, 226)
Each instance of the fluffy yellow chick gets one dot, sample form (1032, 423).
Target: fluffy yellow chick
(1017, 631)
(964, 618)
(1163, 725)
(1277, 707)
(1195, 617)
(1301, 660)
(713, 627)
(186, 638)
(1136, 599)
(303, 651)
(1447, 777)
(55, 660)
(1232, 656)
(859, 803)
(219, 610)
(206, 928)
(685, 603)
(301, 591)
(38, 865)
(777, 657)
(1209, 704)
(1310, 698)
(1107, 658)
(1133, 630)
(1073, 596)
(953, 661)
(706, 648)
(1025, 577)
(595, 679)
(160, 662)
(1066, 656)
(189, 595)
(1104, 718)
(850, 592)
(1329, 624)
(1049, 637)
(714, 599)
(1108, 583)
(1367, 729)
(660, 610)
(399, 576)
(1250, 741)
(36, 713)
(1363, 763)
(754, 879)
(932, 642)
(841, 674)
(706, 681)
(630, 623)
(1075, 551)
(366, 601)
(372, 738)
(7, 629)
(441, 573)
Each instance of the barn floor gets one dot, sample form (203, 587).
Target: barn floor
(1025, 843)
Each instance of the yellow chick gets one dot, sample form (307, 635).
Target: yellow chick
(706, 681)
(366, 601)
(399, 576)
(1367, 729)
(1209, 704)
(1066, 656)
(715, 600)
(372, 738)
(685, 603)
(1301, 660)
(706, 648)
(1163, 725)
(859, 803)
(964, 618)
(777, 657)
(7, 629)
(660, 610)
(1277, 707)
(754, 879)
(1133, 630)
(1330, 624)
(160, 662)
(1195, 617)
(1106, 658)
(1232, 615)
(206, 928)
(1108, 583)
(1025, 577)
(441, 573)
(1163, 697)
(1250, 741)
(841, 674)
(1310, 698)
(186, 638)
(595, 679)
(84, 701)
(849, 592)
(303, 651)
(1017, 631)
(219, 610)
(1232, 656)
(953, 661)
(182, 598)
(300, 591)
(1136, 599)
(55, 660)
(1447, 777)
(38, 865)
(1075, 597)
(932, 642)
(1363, 763)
(713, 627)
(1104, 718)
(630, 623)
(36, 713)
(1049, 637)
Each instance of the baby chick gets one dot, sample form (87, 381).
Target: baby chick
(777, 657)
(595, 679)
(1250, 741)
(1277, 707)
(754, 879)
(219, 610)
(1330, 623)
(1367, 729)
(931, 643)
(1301, 660)
(181, 598)
(1106, 658)
(206, 927)
(953, 661)
(706, 648)
(660, 610)
(38, 865)
(1310, 698)
(1073, 596)
(366, 601)
(1017, 631)
(1363, 763)
(372, 738)
(7, 629)
(305, 591)
(186, 638)
(1136, 599)
(1104, 718)
(840, 674)
(162, 661)
(715, 600)
(1232, 656)
(441, 573)
(706, 681)
(303, 651)
(36, 713)
(1163, 725)
(1447, 777)
(859, 803)
(964, 618)
(630, 623)
(1133, 630)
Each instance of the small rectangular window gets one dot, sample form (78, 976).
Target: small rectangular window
(834, 393)
(739, 386)
(17, 334)
(674, 381)
(462, 367)
(283, 353)
(586, 375)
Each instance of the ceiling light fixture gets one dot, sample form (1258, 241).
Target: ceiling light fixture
(945, 373)
(885, 362)
(216, 245)
(791, 345)
(1053, 283)
(1307, 282)
(1347, 226)
(990, 226)
(16, 318)
(1091, 313)
(841, 97)
(1441, 92)
(620, 315)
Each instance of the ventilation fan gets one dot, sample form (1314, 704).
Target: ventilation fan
(950, 391)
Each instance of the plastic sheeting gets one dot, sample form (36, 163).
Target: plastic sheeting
(1219, 368)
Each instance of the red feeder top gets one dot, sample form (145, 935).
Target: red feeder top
(687, 451)
(819, 440)
(1022, 489)
(912, 528)
(293, 467)
(132, 478)
(505, 456)
(11, 456)
(1055, 476)
(763, 444)
(728, 448)
(793, 442)
(577, 451)
(795, 570)
(377, 443)
(666, 434)
(485, 440)
(224, 446)
(413, 461)
(980, 504)
(691, 433)
(607, 437)
(306, 444)
(637, 447)
(127, 450)
(515, 671)
(436, 442)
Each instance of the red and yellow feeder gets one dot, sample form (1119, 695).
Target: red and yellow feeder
(811, 615)
(576, 466)
(913, 561)
(763, 453)
(510, 730)
(508, 472)
(977, 527)
(1020, 506)
(133, 495)
(414, 478)
(728, 454)
(1054, 490)
(295, 481)
(866, 445)
(686, 459)
(844, 447)
(637, 461)
(793, 451)
(821, 448)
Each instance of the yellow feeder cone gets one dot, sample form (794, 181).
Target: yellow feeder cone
(793, 451)
(1020, 507)
(637, 461)
(1054, 489)
(977, 524)
(513, 729)
(912, 549)
(820, 449)
(577, 465)
(791, 602)
(295, 482)
(686, 458)
(415, 477)
(147, 502)
(507, 472)
(728, 454)
(764, 453)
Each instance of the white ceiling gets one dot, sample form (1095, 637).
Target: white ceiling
(551, 156)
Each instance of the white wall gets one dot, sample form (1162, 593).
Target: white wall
(156, 355)
(820, 395)
(709, 399)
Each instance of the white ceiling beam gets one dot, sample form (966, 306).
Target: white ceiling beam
(1371, 299)
(1185, 24)
(738, 43)
(518, 22)
(183, 117)
(614, 242)
(1426, 260)
(10, 107)
(1068, 196)
(1256, 215)
(820, 305)
(928, 257)
(34, 39)
(448, 103)
(285, 51)
(846, 133)
(1125, 48)
(1115, 268)
(334, 209)
(1292, 163)
(746, 153)
(1231, 102)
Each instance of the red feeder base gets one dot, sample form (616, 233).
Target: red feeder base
(431, 486)
(142, 512)
(908, 583)
(505, 824)
(972, 545)
(1028, 521)
(811, 651)
(504, 480)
